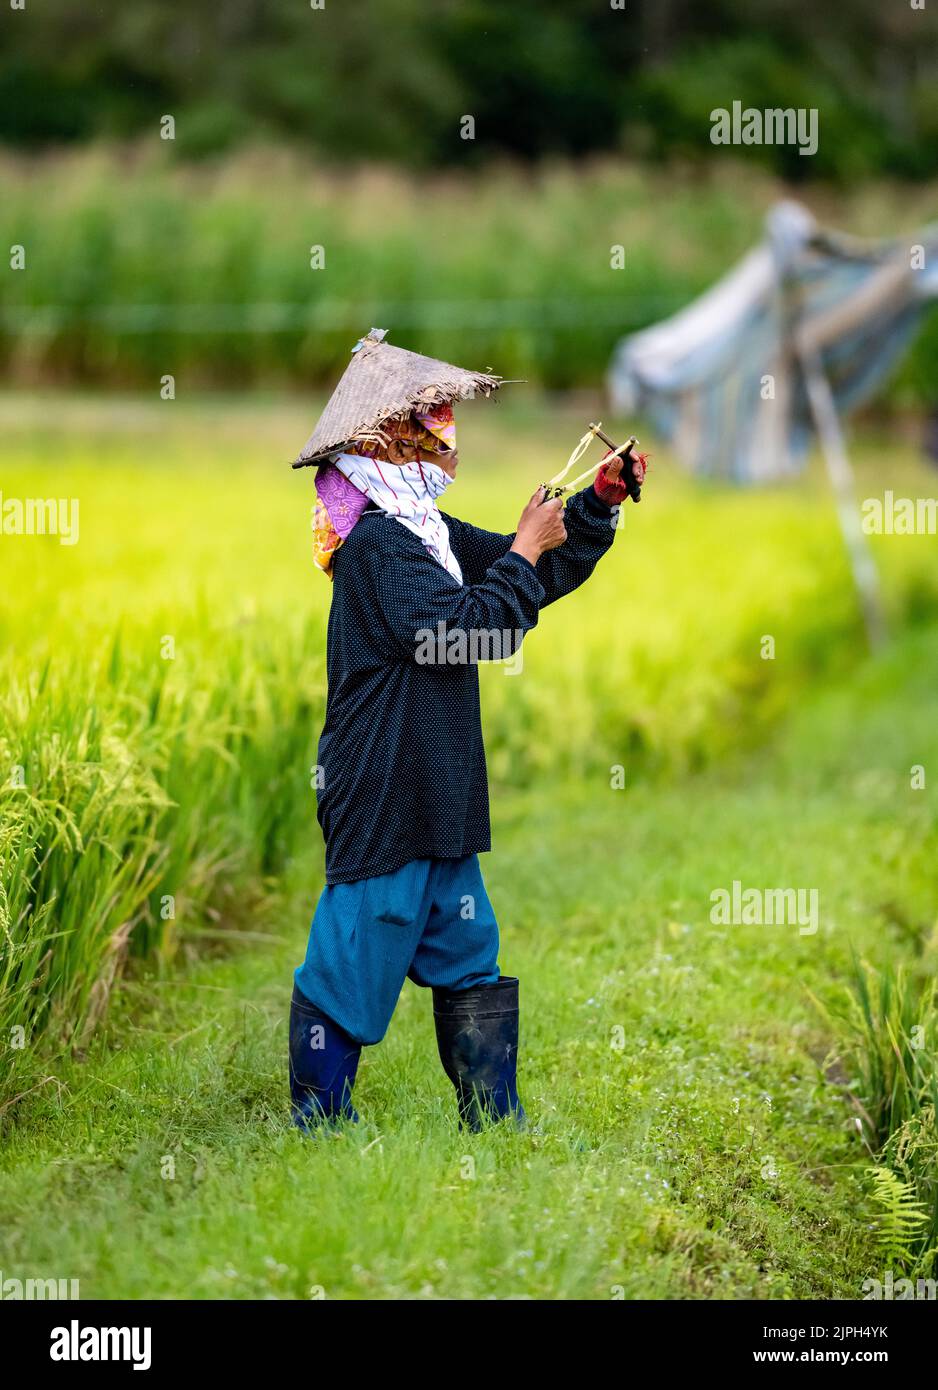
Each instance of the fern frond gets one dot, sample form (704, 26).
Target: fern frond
(900, 1219)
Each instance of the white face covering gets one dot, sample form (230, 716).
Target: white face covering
(408, 494)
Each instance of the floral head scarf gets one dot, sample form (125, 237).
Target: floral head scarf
(340, 503)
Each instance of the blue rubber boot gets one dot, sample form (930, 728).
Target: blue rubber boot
(477, 1035)
(323, 1063)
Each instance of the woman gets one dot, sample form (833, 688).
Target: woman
(403, 796)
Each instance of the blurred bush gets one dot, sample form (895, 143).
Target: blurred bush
(136, 268)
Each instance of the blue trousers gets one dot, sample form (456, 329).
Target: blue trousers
(430, 921)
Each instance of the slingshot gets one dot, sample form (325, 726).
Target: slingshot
(556, 487)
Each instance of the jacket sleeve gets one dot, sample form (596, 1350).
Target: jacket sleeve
(424, 610)
(591, 529)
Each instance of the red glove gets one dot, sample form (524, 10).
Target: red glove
(614, 491)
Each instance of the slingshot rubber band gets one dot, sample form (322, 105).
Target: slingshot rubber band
(575, 457)
(590, 473)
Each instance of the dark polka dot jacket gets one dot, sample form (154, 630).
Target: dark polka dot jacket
(401, 755)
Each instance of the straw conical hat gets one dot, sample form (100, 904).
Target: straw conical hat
(382, 383)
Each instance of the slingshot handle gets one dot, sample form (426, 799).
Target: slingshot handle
(624, 452)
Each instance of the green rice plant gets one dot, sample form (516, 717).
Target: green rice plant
(891, 1021)
(137, 267)
(148, 796)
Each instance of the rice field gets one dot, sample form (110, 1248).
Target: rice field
(137, 267)
(163, 678)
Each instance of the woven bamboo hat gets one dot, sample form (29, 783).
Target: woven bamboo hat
(384, 383)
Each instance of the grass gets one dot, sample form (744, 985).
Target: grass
(689, 1141)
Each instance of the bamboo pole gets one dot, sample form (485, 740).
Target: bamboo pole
(840, 472)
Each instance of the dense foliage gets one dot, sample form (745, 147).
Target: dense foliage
(393, 78)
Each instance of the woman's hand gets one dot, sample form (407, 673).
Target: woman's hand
(540, 527)
(612, 488)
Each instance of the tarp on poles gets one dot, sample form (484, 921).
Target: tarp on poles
(702, 376)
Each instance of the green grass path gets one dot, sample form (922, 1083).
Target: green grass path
(687, 1143)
